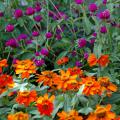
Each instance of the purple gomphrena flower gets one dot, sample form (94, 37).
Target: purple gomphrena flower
(92, 7)
(79, 1)
(14, 60)
(104, 15)
(30, 11)
(86, 55)
(73, 53)
(48, 35)
(78, 64)
(38, 7)
(22, 37)
(58, 36)
(104, 2)
(1, 14)
(12, 43)
(18, 13)
(94, 34)
(10, 28)
(51, 14)
(29, 42)
(92, 41)
(44, 51)
(39, 62)
(37, 53)
(38, 18)
(82, 42)
(35, 33)
(103, 29)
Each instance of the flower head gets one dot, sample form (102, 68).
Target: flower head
(22, 37)
(44, 51)
(62, 60)
(30, 11)
(104, 14)
(39, 63)
(45, 105)
(93, 7)
(103, 29)
(102, 113)
(71, 115)
(10, 28)
(18, 13)
(26, 97)
(35, 33)
(103, 60)
(82, 43)
(38, 18)
(18, 116)
(48, 35)
(79, 1)
(1, 14)
(12, 43)
(78, 64)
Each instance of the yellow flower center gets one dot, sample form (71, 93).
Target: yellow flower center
(25, 93)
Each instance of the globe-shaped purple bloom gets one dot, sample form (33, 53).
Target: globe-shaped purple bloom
(44, 51)
(92, 41)
(38, 18)
(12, 43)
(48, 35)
(94, 34)
(29, 42)
(104, 15)
(38, 7)
(103, 29)
(30, 11)
(79, 1)
(86, 55)
(1, 14)
(10, 28)
(78, 64)
(18, 13)
(58, 36)
(104, 2)
(22, 37)
(35, 33)
(92, 7)
(39, 62)
(37, 53)
(82, 42)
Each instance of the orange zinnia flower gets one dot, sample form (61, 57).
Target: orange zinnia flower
(92, 60)
(71, 115)
(25, 67)
(92, 87)
(102, 113)
(49, 78)
(18, 116)
(26, 97)
(3, 63)
(106, 85)
(45, 105)
(103, 60)
(62, 60)
(76, 71)
(66, 79)
(6, 82)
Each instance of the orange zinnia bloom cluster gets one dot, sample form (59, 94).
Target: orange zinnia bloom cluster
(45, 105)
(62, 60)
(3, 63)
(18, 116)
(102, 61)
(26, 97)
(71, 115)
(6, 82)
(102, 113)
(66, 80)
(25, 68)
